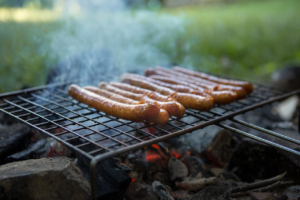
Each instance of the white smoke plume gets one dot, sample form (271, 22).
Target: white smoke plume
(99, 37)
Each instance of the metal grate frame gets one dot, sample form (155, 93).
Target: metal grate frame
(98, 136)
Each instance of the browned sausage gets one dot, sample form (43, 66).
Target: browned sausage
(136, 113)
(171, 106)
(151, 94)
(187, 100)
(162, 117)
(241, 93)
(220, 97)
(244, 84)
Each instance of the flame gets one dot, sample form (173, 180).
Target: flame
(133, 180)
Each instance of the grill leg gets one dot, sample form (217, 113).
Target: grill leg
(299, 118)
(93, 171)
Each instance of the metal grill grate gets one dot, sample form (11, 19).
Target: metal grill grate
(98, 136)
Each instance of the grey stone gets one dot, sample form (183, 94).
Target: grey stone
(46, 178)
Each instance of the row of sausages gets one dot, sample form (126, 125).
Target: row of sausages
(163, 93)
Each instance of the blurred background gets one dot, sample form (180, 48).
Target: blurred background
(248, 39)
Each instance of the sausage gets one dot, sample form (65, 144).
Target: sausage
(187, 100)
(220, 97)
(171, 106)
(112, 96)
(175, 87)
(241, 93)
(151, 94)
(244, 84)
(136, 113)
(163, 115)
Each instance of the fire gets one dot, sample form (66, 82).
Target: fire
(133, 180)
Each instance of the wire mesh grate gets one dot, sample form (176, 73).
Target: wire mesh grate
(51, 110)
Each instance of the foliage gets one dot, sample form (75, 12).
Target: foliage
(247, 39)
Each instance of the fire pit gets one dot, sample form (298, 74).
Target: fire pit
(97, 136)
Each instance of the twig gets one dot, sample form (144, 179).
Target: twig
(263, 189)
(254, 185)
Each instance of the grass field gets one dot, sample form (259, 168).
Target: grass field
(248, 40)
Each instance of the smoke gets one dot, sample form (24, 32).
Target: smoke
(98, 37)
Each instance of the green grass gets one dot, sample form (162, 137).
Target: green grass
(248, 40)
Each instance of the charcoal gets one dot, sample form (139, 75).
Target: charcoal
(293, 192)
(161, 177)
(37, 150)
(177, 169)
(221, 149)
(195, 166)
(46, 178)
(181, 194)
(161, 191)
(268, 196)
(196, 184)
(13, 139)
(224, 174)
(253, 160)
(214, 192)
(113, 180)
(139, 190)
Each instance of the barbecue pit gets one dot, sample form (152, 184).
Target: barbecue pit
(98, 136)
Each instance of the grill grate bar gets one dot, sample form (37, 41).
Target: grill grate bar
(57, 125)
(259, 139)
(263, 130)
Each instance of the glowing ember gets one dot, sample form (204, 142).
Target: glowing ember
(152, 156)
(175, 154)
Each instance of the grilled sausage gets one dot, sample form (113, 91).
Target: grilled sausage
(171, 106)
(136, 113)
(220, 97)
(161, 118)
(244, 84)
(187, 100)
(177, 88)
(241, 93)
(151, 94)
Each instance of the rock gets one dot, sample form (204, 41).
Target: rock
(177, 169)
(46, 178)
(139, 190)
